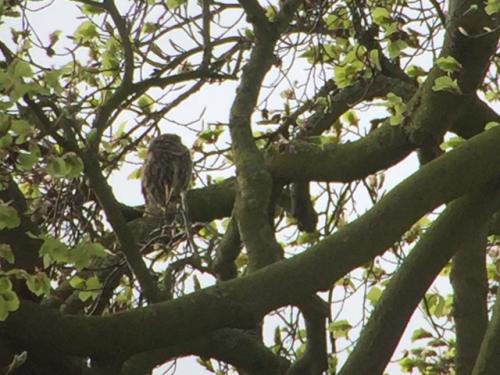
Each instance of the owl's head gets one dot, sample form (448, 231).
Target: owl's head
(165, 142)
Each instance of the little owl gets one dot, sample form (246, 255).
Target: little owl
(167, 172)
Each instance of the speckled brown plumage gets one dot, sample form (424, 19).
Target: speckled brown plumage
(167, 172)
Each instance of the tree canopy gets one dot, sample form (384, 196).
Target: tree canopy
(296, 258)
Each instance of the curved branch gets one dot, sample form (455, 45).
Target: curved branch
(468, 219)
(470, 285)
(232, 346)
(488, 360)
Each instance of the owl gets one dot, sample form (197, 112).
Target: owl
(166, 173)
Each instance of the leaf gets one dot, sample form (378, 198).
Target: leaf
(52, 78)
(420, 333)
(415, 71)
(395, 48)
(77, 282)
(351, 118)
(146, 103)
(6, 141)
(53, 251)
(74, 163)
(57, 167)
(451, 143)
(21, 128)
(172, 4)
(448, 64)
(446, 83)
(5, 285)
(8, 217)
(38, 284)
(26, 160)
(91, 10)
(340, 328)
(93, 283)
(397, 108)
(492, 7)
(491, 125)
(374, 57)
(82, 255)
(373, 295)
(85, 32)
(22, 69)
(4, 311)
(7, 253)
(381, 16)
(11, 300)
(271, 13)
(436, 305)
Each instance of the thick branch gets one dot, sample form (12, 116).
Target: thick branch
(488, 360)
(232, 346)
(468, 219)
(470, 286)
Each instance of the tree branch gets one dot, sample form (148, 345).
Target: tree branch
(468, 219)
(232, 346)
(470, 285)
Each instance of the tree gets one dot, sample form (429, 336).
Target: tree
(89, 285)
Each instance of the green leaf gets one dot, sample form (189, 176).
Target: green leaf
(69, 165)
(451, 143)
(340, 328)
(8, 217)
(22, 129)
(307, 238)
(85, 32)
(397, 108)
(38, 284)
(82, 255)
(92, 289)
(491, 125)
(436, 305)
(5, 285)
(373, 295)
(91, 10)
(150, 27)
(448, 64)
(447, 84)
(6, 141)
(492, 7)
(415, 71)
(11, 300)
(146, 103)
(26, 160)
(93, 283)
(172, 4)
(381, 16)
(6, 253)
(351, 118)
(420, 333)
(395, 48)
(271, 13)
(53, 251)
(4, 311)
(374, 57)
(74, 163)
(22, 69)
(57, 167)
(77, 282)
(52, 79)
